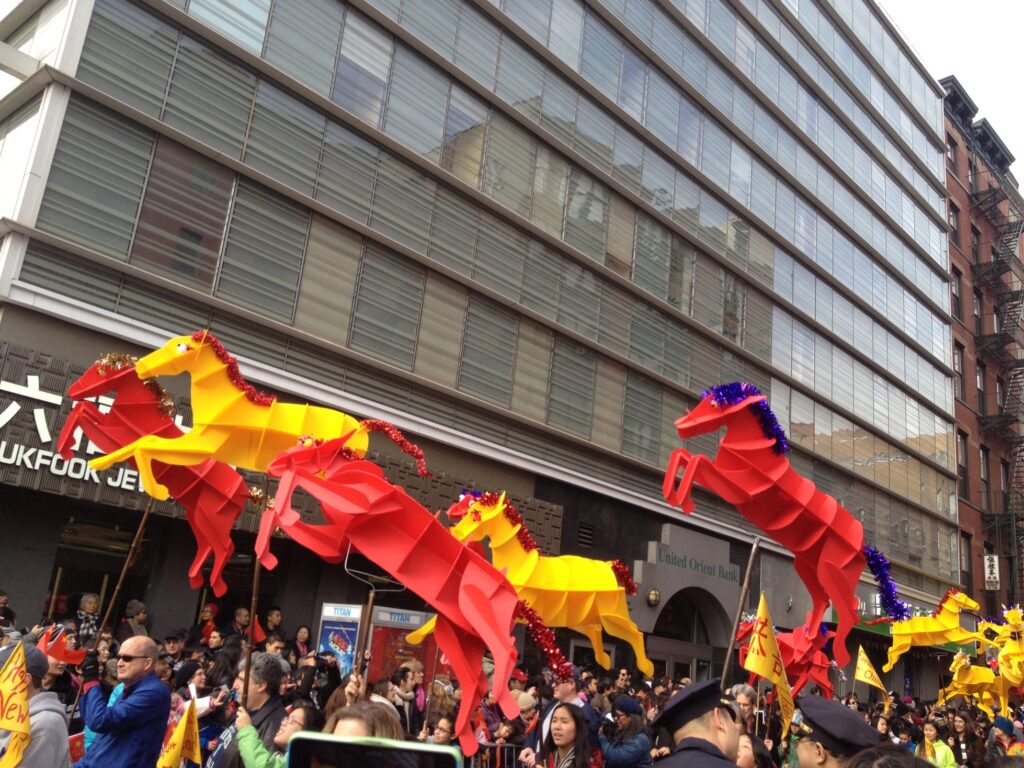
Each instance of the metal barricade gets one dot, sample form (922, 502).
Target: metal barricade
(495, 756)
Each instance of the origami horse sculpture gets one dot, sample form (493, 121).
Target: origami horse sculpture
(1008, 639)
(475, 603)
(943, 626)
(802, 656)
(568, 591)
(978, 682)
(752, 472)
(232, 421)
(212, 493)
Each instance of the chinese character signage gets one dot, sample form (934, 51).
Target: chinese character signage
(992, 572)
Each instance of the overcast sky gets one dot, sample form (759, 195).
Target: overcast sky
(980, 43)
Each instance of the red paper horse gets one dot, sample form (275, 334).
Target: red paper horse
(212, 493)
(751, 471)
(475, 604)
(802, 656)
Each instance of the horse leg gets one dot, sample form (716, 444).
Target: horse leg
(593, 633)
(702, 470)
(679, 458)
(900, 645)
(805, 569)
(616, 622)
(839, 568)
(84, 414)
(465, 654)
(494, 628)
(419, 635)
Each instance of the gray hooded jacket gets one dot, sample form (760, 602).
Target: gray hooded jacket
(49, 728)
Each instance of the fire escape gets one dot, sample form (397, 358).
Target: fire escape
(1003, 417)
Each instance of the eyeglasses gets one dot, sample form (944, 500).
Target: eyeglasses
(127, 659)
(290, 720)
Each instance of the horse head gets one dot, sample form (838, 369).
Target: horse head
(108, 374)
(321, 457)
(960, 661)
(177, 355)
(477, 516)
(960, 601)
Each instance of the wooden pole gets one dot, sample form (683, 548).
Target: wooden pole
(53, 595)
(202, 603)
(744, 591)
(132, 552)
(252, 631)
(362, 638)
(103, 591)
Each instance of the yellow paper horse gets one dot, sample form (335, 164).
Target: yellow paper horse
(1008, 640)
(943, 626)
(977, 682)
(576, 592)
(233, 422)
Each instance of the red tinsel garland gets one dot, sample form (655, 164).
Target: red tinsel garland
(624, 577)
(545, 640)
(526, 541)
(252, 394)
(394, 434)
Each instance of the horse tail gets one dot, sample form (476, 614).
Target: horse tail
(879, 565)
(624, 577)
(395, 435)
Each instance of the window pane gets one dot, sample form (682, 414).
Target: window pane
(651, 266)
(453, 236)
(571, 388)
(263, 255)
(508, 167)
(476, 51)
(388, 304)
(285, 138)
(550, 182)
(363, 67)
(303, 40)
(488, 351)
(417, 104)
(520, 78)
(128, 54)
(641, 417)
(586, 214)
(500, 256)
(244, 21)
(184, 189)
(401, 203)
(602, 54)
(464, 135)
(210, 97)
(347, 172)
(95, 184)
(434, 23)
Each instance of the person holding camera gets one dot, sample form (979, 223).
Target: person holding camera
(630, 747)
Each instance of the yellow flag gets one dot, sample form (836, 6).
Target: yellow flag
(14, 707)
(184, 742)
(764, 660)
(866, 674)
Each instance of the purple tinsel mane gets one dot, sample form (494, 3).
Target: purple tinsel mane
(738, 391)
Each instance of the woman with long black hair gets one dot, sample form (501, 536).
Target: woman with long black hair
(631, 746)
(566, 745)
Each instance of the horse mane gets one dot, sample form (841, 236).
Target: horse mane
(526, 540)
(736, 392)
(252, 394)
(113, 362)
(945, 599)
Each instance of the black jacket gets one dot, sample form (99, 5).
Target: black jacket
(696, 753)
(266, 720)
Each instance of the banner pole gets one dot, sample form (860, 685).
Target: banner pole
(252, 631)
(744, 591)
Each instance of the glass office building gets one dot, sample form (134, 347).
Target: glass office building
(530, 232)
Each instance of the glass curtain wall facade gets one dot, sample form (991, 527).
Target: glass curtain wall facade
(547, 223)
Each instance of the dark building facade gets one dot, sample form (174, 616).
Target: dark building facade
(529, 233)
(986, 215)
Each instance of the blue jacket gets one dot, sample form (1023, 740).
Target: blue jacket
(131, 732)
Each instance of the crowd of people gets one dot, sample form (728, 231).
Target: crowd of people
(129, 691)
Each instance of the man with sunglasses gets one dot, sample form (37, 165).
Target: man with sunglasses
(830, 733)
(130, 732)
(704, 724)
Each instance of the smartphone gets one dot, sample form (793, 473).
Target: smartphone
(320, 750)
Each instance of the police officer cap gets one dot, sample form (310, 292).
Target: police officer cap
(690, 703)
(836, 727)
